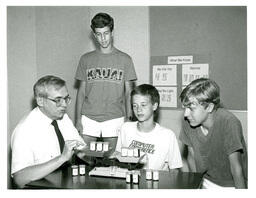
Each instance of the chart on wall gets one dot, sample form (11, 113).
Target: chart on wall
(221, 48)
(170, 74)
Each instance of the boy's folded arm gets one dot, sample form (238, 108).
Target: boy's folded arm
(114, 154)
(143, 159)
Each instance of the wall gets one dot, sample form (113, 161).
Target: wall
(216, 35)
(21, 60)
(62, 36)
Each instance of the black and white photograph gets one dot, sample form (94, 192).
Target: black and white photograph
(131, 98)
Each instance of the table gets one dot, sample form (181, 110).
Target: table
(63, 179)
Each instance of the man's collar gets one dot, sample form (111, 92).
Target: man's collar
(43, 117)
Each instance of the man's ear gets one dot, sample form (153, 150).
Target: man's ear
(40, 101)
(210, 107)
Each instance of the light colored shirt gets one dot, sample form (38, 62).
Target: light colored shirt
(34, 140)
(105, 76)
(160, 145)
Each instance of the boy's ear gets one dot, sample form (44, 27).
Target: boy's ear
(40, 101)
(210, 107)
(112, 33)
(94, 35)
(155, 106)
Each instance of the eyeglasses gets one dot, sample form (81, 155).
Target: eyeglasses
(60, 100)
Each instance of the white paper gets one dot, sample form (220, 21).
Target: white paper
(164, 75)
(191, 72)
(168, 96)
(172, 60)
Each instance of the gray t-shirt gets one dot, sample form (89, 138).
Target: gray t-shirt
(212, 151)
(105, 75)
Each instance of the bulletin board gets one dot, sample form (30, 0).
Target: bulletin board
(213, 35)
(170, 74)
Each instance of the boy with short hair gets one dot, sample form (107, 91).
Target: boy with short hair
(106, 77)
(160, 144)
(212, 136)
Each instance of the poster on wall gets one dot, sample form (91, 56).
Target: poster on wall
(191, 72)
(173, 60)
(164, 75)
(168, 96)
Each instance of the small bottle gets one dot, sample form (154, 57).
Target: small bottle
(128, 185)
(75, 180)
(99, 146)
(136, 152)
(92, 146)
(155, 184)
(124, 152)
(128, 177)
(149, 184)
(74, 170)
(135, 186)
(82, 169)
(135, 177)
(82, 179)
(155, 175)
(130, 152)
(105, 146)
(112, 170)
(148, 174)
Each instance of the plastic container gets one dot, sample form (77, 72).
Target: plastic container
(155, 175)
(98, 146)
(92, 146)
(105, 146)
(82, 169)
(74, 170)
(148, 174)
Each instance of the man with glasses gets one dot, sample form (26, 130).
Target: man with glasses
(46, 138)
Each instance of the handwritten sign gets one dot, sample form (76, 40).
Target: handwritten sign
(191, 72)
(180, 60)
(164, 75)
(168, 96)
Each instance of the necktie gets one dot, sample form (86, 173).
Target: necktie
(59, 135)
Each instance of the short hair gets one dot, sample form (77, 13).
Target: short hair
(147, 90)
(204, 90)
(41, 86)
(102, 20)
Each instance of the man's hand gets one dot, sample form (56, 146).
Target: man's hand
(80, 146)
(38, 171)
(69, 148)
